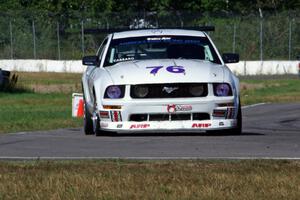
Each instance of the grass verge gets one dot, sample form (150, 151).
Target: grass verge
(274, 89)
(33, 111)
(43, 100)
(118, 179)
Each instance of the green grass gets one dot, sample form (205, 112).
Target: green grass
(116, 179)
(48, 78)
(33, 111)
(44, 101)
(270, 89)
(41, 106)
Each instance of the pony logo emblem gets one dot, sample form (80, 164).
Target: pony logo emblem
(169, 90)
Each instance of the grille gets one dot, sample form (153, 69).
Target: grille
(169, 117)
(173, 90)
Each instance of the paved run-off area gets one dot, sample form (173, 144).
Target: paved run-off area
(269, 131)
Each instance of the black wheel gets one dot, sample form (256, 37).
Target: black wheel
(87, 117)
(238, 129)
(94, 125)
(87, 120)
(98, 131)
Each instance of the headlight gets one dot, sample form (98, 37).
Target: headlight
(196, 90)
(222, 89)
(114, 92)
(140, 91)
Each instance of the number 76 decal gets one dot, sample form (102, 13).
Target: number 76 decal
(171, 69)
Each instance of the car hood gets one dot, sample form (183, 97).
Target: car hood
(165, 71)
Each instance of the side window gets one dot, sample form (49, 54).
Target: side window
(101, 48)
(208, 55)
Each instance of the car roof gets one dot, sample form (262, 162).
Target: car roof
(158, 32)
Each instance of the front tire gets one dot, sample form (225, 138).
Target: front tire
(98, 131)
(95, 121)
(96, 126)
(238, 129)
(87, 121)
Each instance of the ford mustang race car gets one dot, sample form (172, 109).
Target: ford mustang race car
(160, 80)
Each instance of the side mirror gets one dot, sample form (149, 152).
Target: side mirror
(90, 60)
(231, 57)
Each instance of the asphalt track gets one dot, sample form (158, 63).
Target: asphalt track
(270, 131)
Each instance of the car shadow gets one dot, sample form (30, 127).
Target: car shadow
(179, 134)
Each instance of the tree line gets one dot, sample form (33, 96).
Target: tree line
(54, 28)
(96, 6)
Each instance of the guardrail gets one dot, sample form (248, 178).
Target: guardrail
(75, 66)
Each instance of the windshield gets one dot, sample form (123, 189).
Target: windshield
(160, 47)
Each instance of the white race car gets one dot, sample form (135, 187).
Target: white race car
(160, 80)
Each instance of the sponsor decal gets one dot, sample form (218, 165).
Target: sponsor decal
(123, 59)
(201, 125)
(158, 38)
(170, 69)
(171, 108)
(183, 107)
(139, 126)
(104, 125)
(174, 108)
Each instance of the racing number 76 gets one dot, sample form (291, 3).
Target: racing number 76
(171, 69)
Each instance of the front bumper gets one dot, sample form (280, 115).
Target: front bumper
(120, 120)
(169, 126)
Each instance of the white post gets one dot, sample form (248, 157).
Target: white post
(82, 38)
(261, 34)
(234, 38)
(58, 41)
(34, 44)
(290, 39)
(261, 40)
(11, 41)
